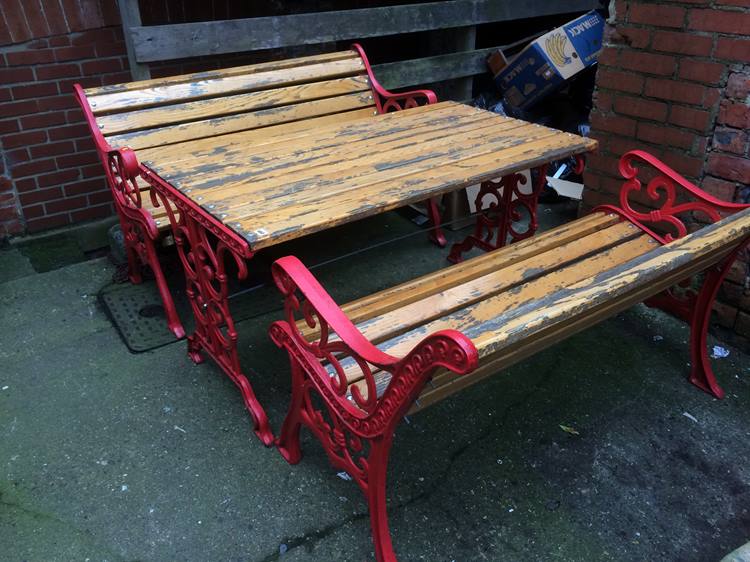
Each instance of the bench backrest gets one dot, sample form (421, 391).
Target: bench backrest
(193, 106)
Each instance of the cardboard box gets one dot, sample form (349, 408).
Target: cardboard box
(546, 63)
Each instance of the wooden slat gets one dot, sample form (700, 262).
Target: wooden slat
(451, 299)
(214, 127)
(224, 176)
(489, 315)
(220, 73)
(130, 16)
(631, 283)
(233, 84)
(327, 174)
(163, 42)
(406, 293)
(170, 158)
(157, 117)
(402, 189)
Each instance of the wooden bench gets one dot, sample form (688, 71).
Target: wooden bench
(400, 350)
(274, 99)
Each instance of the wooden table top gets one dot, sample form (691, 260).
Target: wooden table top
(271, 187)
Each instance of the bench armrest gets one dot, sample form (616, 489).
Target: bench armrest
(666, 222)
(347, 352)
(387, 101)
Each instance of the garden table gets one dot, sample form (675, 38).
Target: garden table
(229, 196)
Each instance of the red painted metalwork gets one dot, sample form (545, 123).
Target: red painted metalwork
(355, 424)
(204, 247)
(507, 205)
(386, 102)
(668, 222)
(139, 229)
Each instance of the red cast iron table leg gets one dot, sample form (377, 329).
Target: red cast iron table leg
(498, 220)
(204, 246)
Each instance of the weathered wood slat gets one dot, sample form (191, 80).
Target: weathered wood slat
(485, 317)
(244, 173)
(408, 188)
(653, 272)
(158, 117)
(223, 125)
(341, 140)
(164, 42)
(232, 84)
(172, 158)
(220, 73)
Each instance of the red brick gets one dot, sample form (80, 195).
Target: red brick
(66, 86)
(101, 35)
(9, 126)
(602, 162)
(44, 223)
(741, 3)
(698, 119)
(102, 66)
(8, 213)
(110, 49)
(733, 49)
(92, 171)
(636, 37)
(67, 204)
(730, 140)
(658, 15)
(17, 156)
(39, 89)
(53, 103)
(69, 132)
(648, 63)
(99, 197)
(738, 86)
(52, 149)
(722, 189)
(40, 196)
(734, 114)
(116, 78)
(78, 159)
(24, 139)
(5, 95)
(686, 165)
(729, 167)
(15, 75)
(86, 186)
(28, 58)
(722, 21)
(59, 41)
(57, 178)
(18, 108)
(638, 107)
(43, 120)
(33, 211)
(25, 184)
(613, 124)
(54, 71)
(33, 168)
(85, 144)
(91, 213)
(701, 71)
(63, 54)
(608, 57)
(617, 80)
(673, 90)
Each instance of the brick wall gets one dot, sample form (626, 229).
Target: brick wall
(673, 79)
(49, 172)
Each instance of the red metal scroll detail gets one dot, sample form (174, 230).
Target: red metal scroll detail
(203, 258)
(683, 301)
(507, 205)
(661, 190)
(355, 428)
(138, 227)
(386, 102)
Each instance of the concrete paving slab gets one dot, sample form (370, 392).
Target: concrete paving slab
(109, 455)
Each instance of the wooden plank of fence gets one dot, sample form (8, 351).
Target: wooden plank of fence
(131, 18)
(176, 41)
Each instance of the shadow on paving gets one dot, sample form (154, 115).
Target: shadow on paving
(110, 455)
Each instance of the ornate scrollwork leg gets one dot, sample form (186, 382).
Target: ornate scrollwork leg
(672, 218)
(139, 229)
(502, 205)
(203, 256)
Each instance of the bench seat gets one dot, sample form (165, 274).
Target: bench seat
(395, 352)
